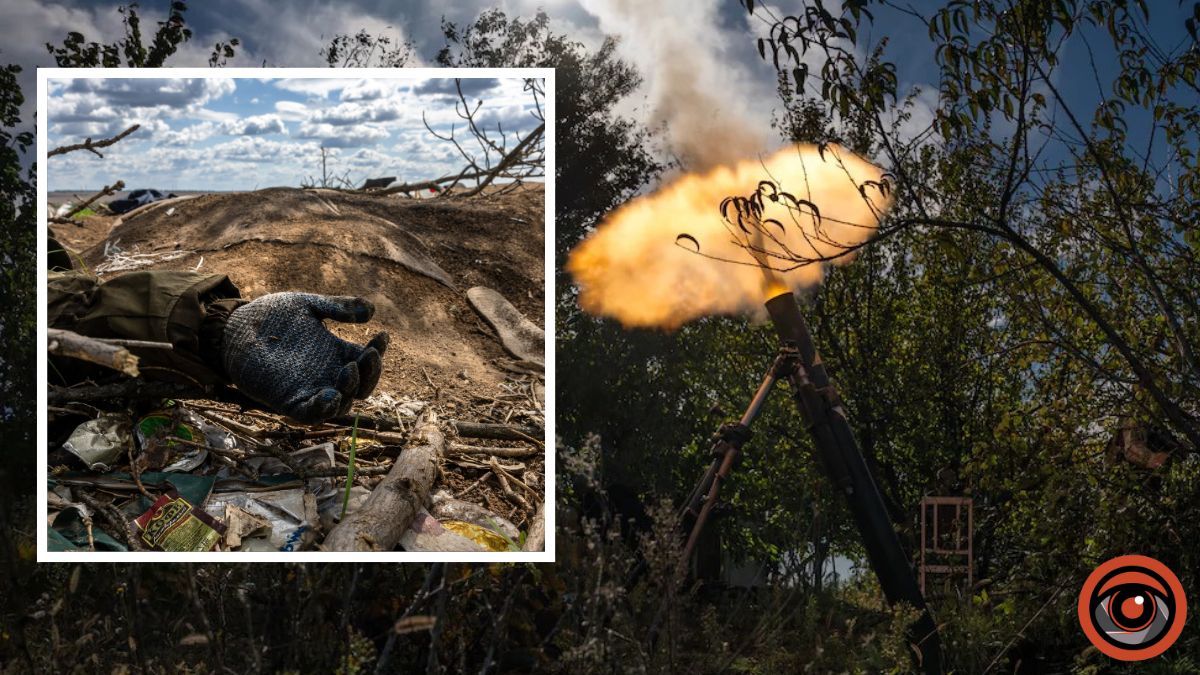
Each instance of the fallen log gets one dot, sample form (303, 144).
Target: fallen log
(76, 346)
(535, 537)
(504, 432)
(393, 505)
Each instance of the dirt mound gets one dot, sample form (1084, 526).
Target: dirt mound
(411, 258)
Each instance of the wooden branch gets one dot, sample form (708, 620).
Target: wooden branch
(91, 145)
(341, 472)
(509, 160)
(76, 346)
(135, 389)
(535, 537)
(106, 191)
(504, 432)
(396, 501)
(425, 185)
(460, 449)
(120, 524)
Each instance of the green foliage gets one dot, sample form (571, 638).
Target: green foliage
(1034, 290)
(132, 50)
(18, 192)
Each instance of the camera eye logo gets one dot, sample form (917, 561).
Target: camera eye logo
(1132, 608)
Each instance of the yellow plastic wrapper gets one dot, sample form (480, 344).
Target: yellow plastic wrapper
(361, 444)
(486, 538)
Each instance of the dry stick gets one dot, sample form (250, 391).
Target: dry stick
(425, 185)
(116, 520)
(535, 536)
(503, 432)
(104, 192)
(341, 472)
(508, 474)
(76, 346)
(502, 476)
(91, 145)
(256, 433)
(137, 389)
(136, 344)
(233, 425)
(467, 463)
(394, 503)
(458, 448)
(137, 474)
(509, 159)
(472, 486)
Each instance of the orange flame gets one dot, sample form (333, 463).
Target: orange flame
(668, 257)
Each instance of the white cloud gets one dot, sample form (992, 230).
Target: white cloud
(190, 135)
(291, 111)
(348, 136)
(256, 125)
(355, 112)
(314, 88)
(369, 90)
(256, 149)
(151, 93)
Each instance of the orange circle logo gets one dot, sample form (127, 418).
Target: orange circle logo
(1132, 608)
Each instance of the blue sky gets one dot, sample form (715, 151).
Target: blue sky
(227, 134)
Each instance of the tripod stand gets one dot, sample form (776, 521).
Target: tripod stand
(798, 363)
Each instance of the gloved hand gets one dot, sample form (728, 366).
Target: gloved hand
(279, 353)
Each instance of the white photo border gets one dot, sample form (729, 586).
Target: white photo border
(548, 510)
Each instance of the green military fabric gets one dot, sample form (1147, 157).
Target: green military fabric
(155, 305)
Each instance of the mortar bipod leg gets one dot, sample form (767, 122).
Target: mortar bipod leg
(727, 445)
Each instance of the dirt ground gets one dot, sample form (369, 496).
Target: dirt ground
(339, 243)
(413, 258)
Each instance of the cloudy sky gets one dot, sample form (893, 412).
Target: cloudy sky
(718, 36)
(224, 134)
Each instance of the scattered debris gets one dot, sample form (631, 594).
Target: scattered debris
(378, 183)
(117, 259)
(137, 198)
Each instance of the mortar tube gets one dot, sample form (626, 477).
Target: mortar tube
(835, 442)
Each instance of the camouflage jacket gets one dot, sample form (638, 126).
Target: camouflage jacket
(186, 309)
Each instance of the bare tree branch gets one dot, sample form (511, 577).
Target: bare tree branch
(91, 145)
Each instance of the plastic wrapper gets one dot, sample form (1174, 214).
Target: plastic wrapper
(447, 508)
(168, 455)
(100, 443)
(175, 524)
(487, 538)
(427, 534)
(291, 516)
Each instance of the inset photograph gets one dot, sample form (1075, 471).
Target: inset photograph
(289, 314)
